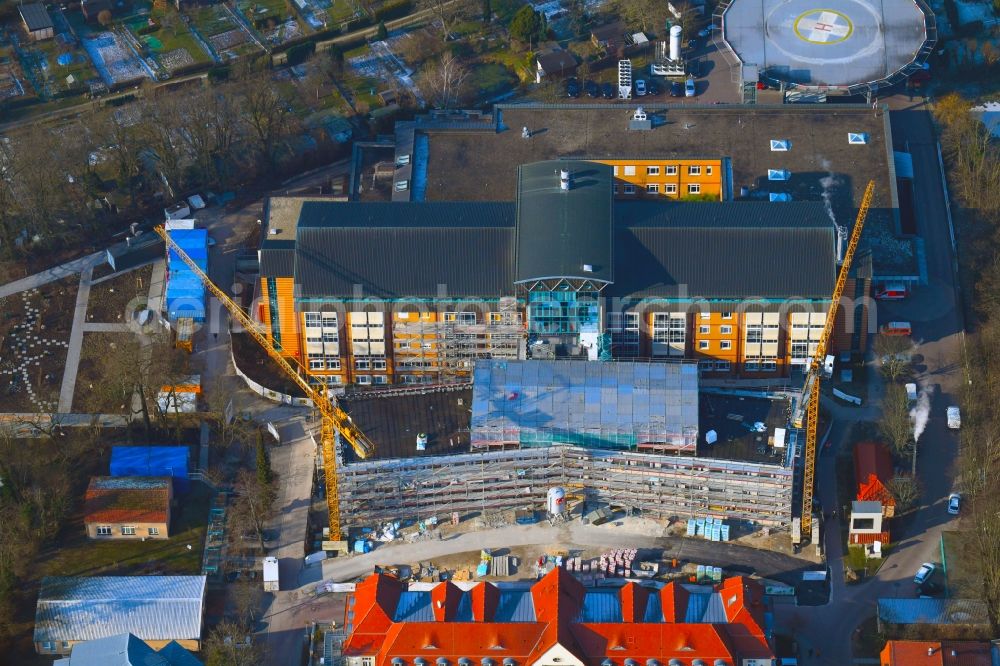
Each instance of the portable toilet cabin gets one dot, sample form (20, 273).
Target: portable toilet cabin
(271, 582)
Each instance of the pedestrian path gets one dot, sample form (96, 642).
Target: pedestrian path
(52, 274)
(75, 342)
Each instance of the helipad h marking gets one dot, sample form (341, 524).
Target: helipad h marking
(823, 26)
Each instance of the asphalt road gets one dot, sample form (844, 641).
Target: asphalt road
(937, 328)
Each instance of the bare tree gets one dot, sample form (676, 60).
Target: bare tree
(123, 140)
(267, 115)
(447, 13)
(444, 80)
(232, 644)
(894, 354)
(906, 491)
(163, 120)
(895, 425)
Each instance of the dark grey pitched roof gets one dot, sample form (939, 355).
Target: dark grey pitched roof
(277, 259)
(35, 16)
(556, 61)
(560, 231)
(724, 250)
(398, 250)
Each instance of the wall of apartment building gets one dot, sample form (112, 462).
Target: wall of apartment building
(675, 179)
(661, 486)
(119, 531)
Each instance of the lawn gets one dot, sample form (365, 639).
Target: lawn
(173, 34)
(76, 555)
(489, 80)
(90, 397)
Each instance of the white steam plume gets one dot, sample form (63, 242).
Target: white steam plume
(921, 412)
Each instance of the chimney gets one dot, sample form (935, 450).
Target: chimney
(564, 179)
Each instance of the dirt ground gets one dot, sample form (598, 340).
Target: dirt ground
(34, 334)
(109, 299)
(93, 393)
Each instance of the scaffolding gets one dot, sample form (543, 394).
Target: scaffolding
(660, 486)
(448, 348)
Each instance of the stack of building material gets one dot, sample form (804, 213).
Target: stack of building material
(185, 290)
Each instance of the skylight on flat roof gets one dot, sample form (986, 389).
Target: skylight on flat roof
(780, 145)
(778, 174)
(857, 138)
(779, 196)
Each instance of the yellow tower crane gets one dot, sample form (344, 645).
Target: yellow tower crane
(810, 391)
(332, 418)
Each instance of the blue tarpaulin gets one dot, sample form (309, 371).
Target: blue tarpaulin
(172, 461)
(185, 292)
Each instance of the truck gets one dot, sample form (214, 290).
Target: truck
(896, 328)
(271, 578)
(911, 393)
(954, 417)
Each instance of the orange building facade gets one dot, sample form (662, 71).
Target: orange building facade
(700, 179)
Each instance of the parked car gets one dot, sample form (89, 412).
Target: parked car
(652, 88)
(954, 417)
(895, 291)
(689, 90)
(896, 328)
(954, 504)
(677, 89)
(924, 573)
(640, 87)
(593, 90)
(572, 88)
(607, 91)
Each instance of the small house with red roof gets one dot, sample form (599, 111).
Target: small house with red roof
(873, 472)
(939, 653)
(556, 621)
(128, 507)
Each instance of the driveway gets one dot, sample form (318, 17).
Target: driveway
(938, 329)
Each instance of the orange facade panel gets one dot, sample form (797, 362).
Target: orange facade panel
(675, 179)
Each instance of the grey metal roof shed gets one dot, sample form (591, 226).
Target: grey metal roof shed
(150, 607)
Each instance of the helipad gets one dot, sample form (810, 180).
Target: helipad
(829, 43)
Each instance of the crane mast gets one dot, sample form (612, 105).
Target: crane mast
(333, 419)
(810, 390)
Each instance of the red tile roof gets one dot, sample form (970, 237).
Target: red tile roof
(133, 499)
(869, 539)
(943, 653)
(727, 624)
(872, 458)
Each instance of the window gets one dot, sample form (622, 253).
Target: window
(614, 188)
(725, 344)
(329, 318)
(722, 366)
(628, 189)
(367, 661)
(378, 365)
(706, 366)
(630, 170)
(363, 379)
(48, 646)
(332, 363)
(769, 366)
(705, 315)
(703, 344)
(616, 170)
(727, 315)
(754, 332)
(330, 336)
(704, 330)
(751, 366)
(313, 319)
(128, 530)
(154, 531)
(800, 350)
(671, 170)
(653, 188)
(694, 170)
(652, 171)
(313, 338)
(316, 364)
(694, 188)
(726, 330)
(103, 530)
(362, 364)
(333, 380)
(670, 189)
(708, 171)
(863, 524)
(380, 379)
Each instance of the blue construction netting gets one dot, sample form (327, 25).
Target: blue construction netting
(185, 291)
(172, 461)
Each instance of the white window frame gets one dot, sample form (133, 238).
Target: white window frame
(751, 366)
(364, 380)
(380, 380)
(652, 188)
(726, 330)
(694, 188)
(671, 170)
(694, 170)
(362, 364)
(335, 380)
(317, 364)
(331, 336)
(629, 169)
(652, 171)
(704, 329)
(723, 366)
(725, 344)
(154, 531)
(705, 315)
(708, 170)
(128, 530)
(670, 188)
(769, 366)
(378, 364)
(104, 530)
(332, 362)
(704, 344)
(314, 338)
(313, 319)
(727, 315)
(628, 188)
